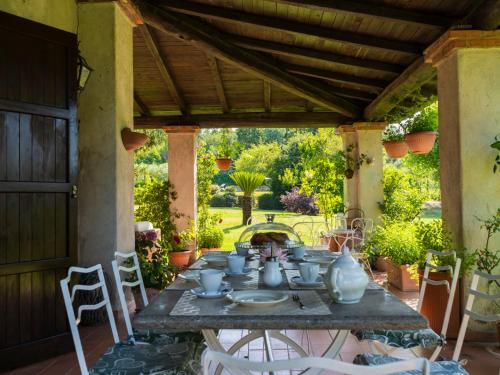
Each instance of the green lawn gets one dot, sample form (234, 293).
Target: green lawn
(231, 221)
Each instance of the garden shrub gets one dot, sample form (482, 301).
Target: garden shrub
(210, 237)
(268, 201)
(226, 198)
(295, 201)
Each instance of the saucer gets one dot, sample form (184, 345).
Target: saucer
(299, 281)
(224, 290)
(245, 271)
(291, 257)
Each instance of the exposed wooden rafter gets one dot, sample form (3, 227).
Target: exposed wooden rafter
(247, 119)
(373, 10)
(271, 23)
(143, 109)
(209, 40)
(165, 73)
(267, 96)
(314, 54)
(219, 86)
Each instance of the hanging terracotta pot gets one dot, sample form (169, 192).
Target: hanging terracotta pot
(396, 149)
(133, 140)
(179, 258)
(223, 163)
(421, 142)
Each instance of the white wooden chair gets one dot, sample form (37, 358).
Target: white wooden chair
(238, 366)
(389, 341)
(452, 367)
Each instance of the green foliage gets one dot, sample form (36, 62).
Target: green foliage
(496, 146)
(153, 201)
(424, 166)
(153, 261)
(258, 158)
(248, 182)
(227, 147)
(268, 201)
(155, 150)
(489, 259)
(425, 120)
(226, 198)
(403, 199)
(393, 132)
(210, 237)
(152, 171)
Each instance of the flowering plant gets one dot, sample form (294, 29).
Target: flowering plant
(177, 241)
(271, 251)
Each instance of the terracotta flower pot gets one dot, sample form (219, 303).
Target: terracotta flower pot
(133, 140)
(209, 250)
(399, 276)
(223, 163)
(434, 304)
(421, 142)
(381, 264)
(179, 258)
(396, 149)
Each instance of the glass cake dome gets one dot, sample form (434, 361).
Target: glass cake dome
(262, 234)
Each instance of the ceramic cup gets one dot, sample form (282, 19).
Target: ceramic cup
(241, 250)
(211, 280)
(309, 271)
(236, 263)
(298, 252)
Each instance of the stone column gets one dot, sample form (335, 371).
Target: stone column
(182, 172)
(468, 65)
(106, 178)
(371, 174)
(350, 138)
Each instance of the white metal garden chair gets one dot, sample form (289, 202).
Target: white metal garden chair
(238, 366)
(389, 341)
(127, 357)
(452, 367)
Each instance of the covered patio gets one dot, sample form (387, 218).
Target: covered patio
(66, 181)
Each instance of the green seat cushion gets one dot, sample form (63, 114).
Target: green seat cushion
(437, 368)
(152, 353)
(406, 339)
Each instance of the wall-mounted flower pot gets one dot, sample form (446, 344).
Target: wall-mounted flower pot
(399, 276)
(133, 140)
(223, 163)
(421, 142)
(434, 304)
(179, 258)
(396, 149)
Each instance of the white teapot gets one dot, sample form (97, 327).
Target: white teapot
(346, 280)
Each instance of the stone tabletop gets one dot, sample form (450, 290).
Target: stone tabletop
(378, 309)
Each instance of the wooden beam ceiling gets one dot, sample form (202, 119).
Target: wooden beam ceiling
(219, 86)
(143, 109)
(374, 10)
(267, 96)
(165, 73)
(234, 120)
(209, 40)
(271, 23)
(314, 54)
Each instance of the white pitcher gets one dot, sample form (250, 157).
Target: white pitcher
(272, 272)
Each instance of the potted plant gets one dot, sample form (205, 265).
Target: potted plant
(394, 142)
(226, 150)
(432, 235)
(398, 242)
(372, 249)
(421, 130)
(177, 248)
(210, 239)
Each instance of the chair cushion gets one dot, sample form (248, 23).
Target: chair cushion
(152, 353)
(402, 338)
(437, 368)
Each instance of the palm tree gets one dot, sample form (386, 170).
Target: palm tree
(247, 182)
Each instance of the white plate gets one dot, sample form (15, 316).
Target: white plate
(223, 291)
(246, 271)
(299, 281)
(321, 259)
(190, 275)
(257, 298)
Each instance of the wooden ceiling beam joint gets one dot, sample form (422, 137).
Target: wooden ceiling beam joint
(219, 85)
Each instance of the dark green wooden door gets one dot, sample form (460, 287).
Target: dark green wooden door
(38, 166)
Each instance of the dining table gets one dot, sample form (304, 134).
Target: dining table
(308, 308)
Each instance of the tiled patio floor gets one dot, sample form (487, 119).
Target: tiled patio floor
(97, 339)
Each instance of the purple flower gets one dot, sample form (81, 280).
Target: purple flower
(151, 235)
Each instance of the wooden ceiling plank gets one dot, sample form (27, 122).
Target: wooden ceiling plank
(267, 96)
(249, 19)
(219, 86)
(165, 72)
(309, 53)
(414, 77)
(374, 10)
(143, 109)
(208, 39)
(249, 119)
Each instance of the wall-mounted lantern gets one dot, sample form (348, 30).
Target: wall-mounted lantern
(83, 71)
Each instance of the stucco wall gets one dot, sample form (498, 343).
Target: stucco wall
(61, 14)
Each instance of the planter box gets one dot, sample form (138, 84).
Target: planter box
(434, 304)
(399, 276)
(381, 264)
